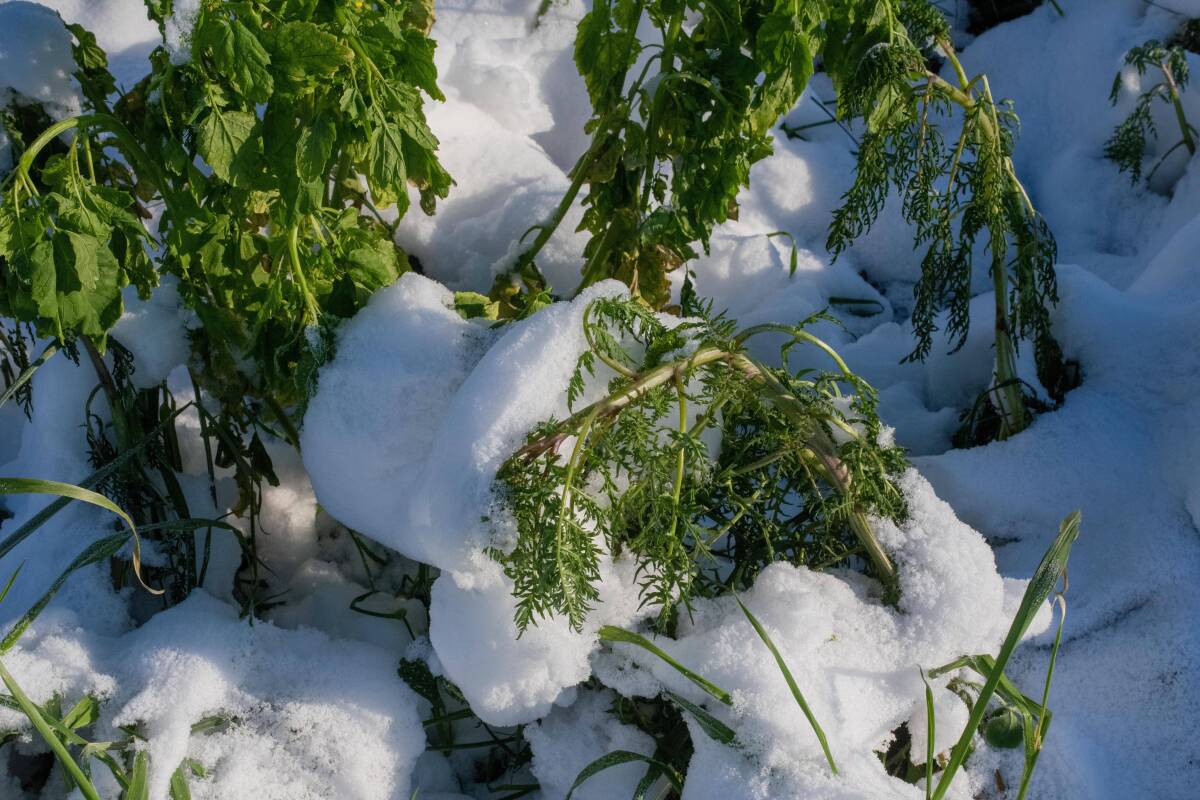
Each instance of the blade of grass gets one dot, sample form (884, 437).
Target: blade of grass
(70, 491)
(1033, 746)
(94, 553)
(1047, 574)
(39, 519)
(30, 710)
(611, 633)
(618, 757)
(716, 729)
(179, 784)
(139, 778)
(791, 682)
(27, 373)
(929, 721)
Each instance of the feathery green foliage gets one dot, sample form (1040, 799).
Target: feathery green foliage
(800, 466)
(675, 130)
(1127, 146)
(959, 194)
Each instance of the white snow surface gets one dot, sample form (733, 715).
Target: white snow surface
(419, 408)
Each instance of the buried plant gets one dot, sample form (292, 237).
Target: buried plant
(800, 467)
(1127, 146)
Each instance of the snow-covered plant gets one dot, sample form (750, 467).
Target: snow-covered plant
(248, 155)
(959, 194)
(700, 462)
(1127, 146)
(675, 130)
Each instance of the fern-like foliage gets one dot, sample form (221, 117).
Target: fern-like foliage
(959, 193)
(800, 464)
(1127, 145)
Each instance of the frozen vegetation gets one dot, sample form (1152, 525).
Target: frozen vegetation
(389, 504)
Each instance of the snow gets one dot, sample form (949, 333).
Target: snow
(419, 407)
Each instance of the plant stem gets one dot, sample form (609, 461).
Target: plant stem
(47, 733)
(1184, 128)
(1010, 397)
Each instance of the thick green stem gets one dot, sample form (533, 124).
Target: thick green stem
(1185, 129)
(1010, 398)
(666, 66)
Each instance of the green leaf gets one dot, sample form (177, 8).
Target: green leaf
(179, 783)
(473, 305)
(315, 146)
(139, 778)
(791, 682)
(302, 50)
(719, 731)
(618, 757)
(611, 633)
(48, 735)
(1052, 567)
(225, 140)
(236, 53)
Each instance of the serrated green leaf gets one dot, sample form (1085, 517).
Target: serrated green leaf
(302, 50)
(224, 139)
(236, 53)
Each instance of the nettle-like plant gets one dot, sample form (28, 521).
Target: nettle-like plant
(258, 154)
(1127, 146)
(676, 128)
(799, 467)
(252, 169)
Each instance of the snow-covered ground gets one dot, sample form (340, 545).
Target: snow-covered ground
(420, 406)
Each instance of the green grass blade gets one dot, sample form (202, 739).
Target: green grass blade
(179, 784)
(1033, 746)
(27, 373)
(139, 778)
(929, 721)
(70, 491)
(617, 757)
(716, 729)
(94, 553)
(611, 633)
(1051, 568)
(39, 519)
(30, 710)
(791, 682)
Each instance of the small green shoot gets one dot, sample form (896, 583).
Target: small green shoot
(1052, 567)
(611, 633)
(791, 682)
(1127, 146)
(618, 757)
